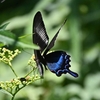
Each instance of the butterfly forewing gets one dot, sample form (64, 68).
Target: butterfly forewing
(51, 44)
(41, 39)
(39, 32)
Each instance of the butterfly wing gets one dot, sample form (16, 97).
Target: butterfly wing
(38, 59)
(40, 37)
(58, 63)
(51, 44)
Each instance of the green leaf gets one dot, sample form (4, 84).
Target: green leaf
(3, 27)
(8, 38)
(1, 45)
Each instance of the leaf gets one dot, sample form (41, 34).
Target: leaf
(8, 38)
(3, 27)
(1, 45)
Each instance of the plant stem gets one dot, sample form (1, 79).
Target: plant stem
(29, 73)
(17, 92)
(13, 69)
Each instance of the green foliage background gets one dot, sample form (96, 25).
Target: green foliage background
(79, 37)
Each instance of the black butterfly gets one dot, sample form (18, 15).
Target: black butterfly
(57, 61)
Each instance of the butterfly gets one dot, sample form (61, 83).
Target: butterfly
(56, 61)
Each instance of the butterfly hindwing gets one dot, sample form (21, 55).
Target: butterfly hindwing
(58, 63)
(38, 59)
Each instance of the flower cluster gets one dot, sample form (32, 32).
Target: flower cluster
(32, 62)
(15, 85)
(7, 56)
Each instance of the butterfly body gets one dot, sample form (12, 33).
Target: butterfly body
(57, 61)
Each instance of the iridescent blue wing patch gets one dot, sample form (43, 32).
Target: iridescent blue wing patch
(58, 62)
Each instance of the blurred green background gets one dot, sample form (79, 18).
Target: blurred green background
(80, 37)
